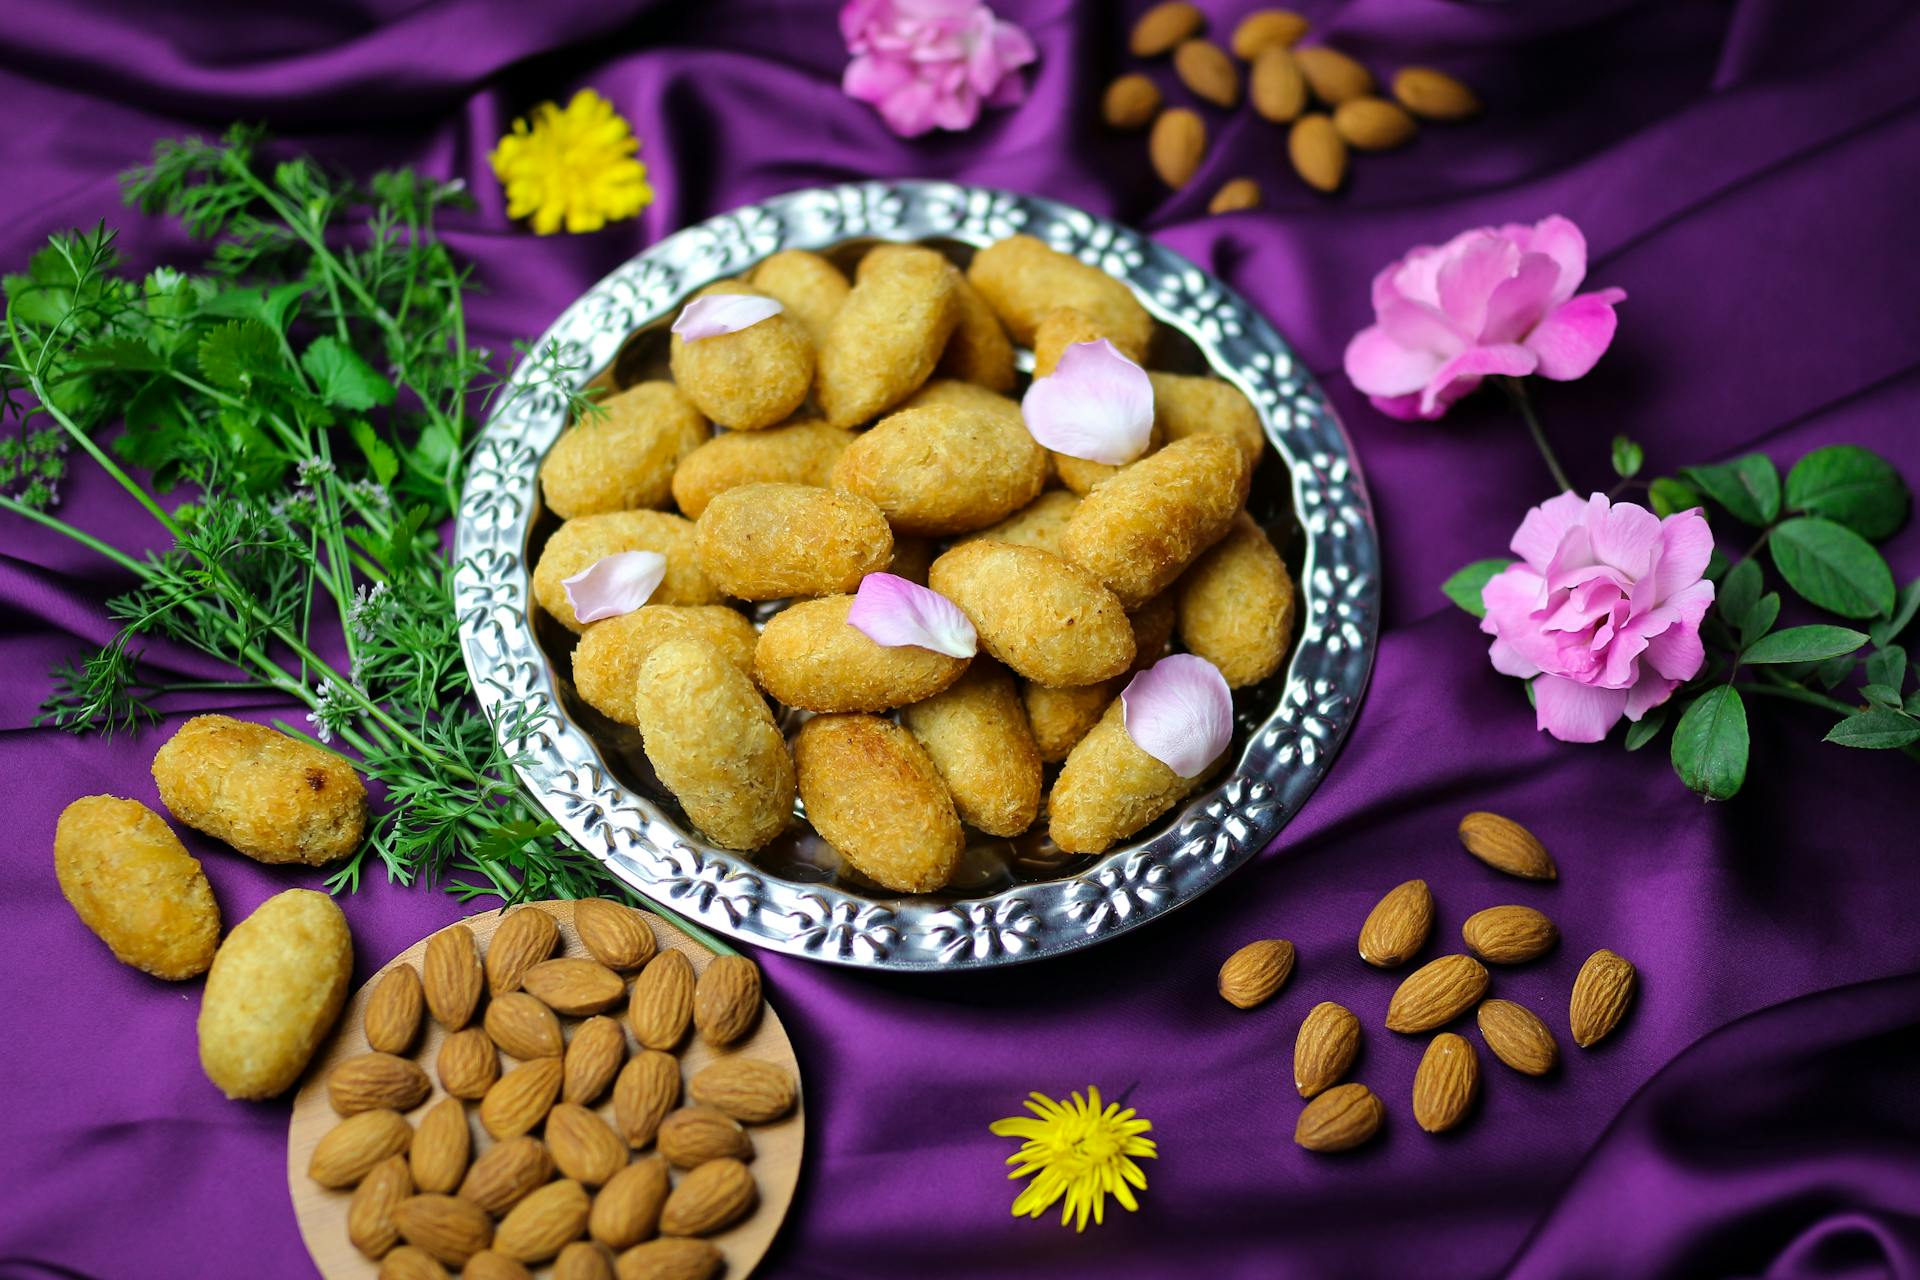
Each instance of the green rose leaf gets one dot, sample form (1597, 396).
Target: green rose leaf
(1804, 644)
(1669, 495)
(1710, 743)
(1905, 606)
(1739, 591)
(1749, 487)
(1463, 588)
(1760, 618)
(1647, 728)
(1875, 729)
(1833, 567)
(1888, 666)
(1881, 695)
(1851, 486)
(1628, 458)
(1834, 671)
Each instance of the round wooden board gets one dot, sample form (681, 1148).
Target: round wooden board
(323, 1213)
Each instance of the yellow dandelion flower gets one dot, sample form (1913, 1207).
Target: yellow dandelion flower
(1081, 1151)
(572, 167)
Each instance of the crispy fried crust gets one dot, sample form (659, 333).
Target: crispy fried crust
(977, 735)
(607, 661)
(1061, 717)
(1139, 528)
(1109, 788)
(887, 336)
(1022, 279)
(577, 544)
(942, 469)
(275, 988)
(979, 351)
(810, 658)
(798, 453)
(874, 794)
(749, 379)
(133, 883)
(808, 286)
(1049, 620)
(272, 797)
(1236, 605)
(1184, 406)
(1038, 524)
(623, 457)
(770, 541)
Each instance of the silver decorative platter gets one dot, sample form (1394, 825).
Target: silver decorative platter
(1013, 902)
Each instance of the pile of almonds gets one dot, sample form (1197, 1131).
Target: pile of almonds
(1341, 1116)
(1283, 81)
(574, 1194)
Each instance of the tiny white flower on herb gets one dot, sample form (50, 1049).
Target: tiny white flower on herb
(719, 313)
(1096, 404)
(615, 584)
(308, 468)
(1180, 712)
(893, 612)
(329, 713)
(364, 613)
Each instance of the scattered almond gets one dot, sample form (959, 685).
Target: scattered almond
(1177, 145)
(1277, 86)
(525, 938)
(1434, 95)
(453, 977)
(1267, 29)
(370, 1226)
(670, 1259)
(393, 1011)
(1332, 75)
(1517, 1037)
(1437, 993)
(593, 1058)
(348, 1150)
(694, 1135)
(522, 1098)
(1328, 1041)
(573, 986)
(726, 999)
(585, 1148)
(1373, 124)
(1235, 196)
(613, 933)
(1164, 26)
(377, 1082)
(578, 1261)
(1601, 994)
(506, 1173)
(545, 1222)
(409, 1263)
(1398, 925)
(1509, 934)
(627, 1210)
(1131, 102)
(714, 1196)
(1208, 72)
(1252, 974)
(662, 1002)
(749, 1090)
(449, 1228)
(1341, 1118)
(1505, 845)
(1446, 1084)
(441, 1146)
(524, 1027)
(647, 1088)
(1318, 154)
(467, 1063)
(490, 1264)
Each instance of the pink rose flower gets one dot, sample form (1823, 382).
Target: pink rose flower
(1499, 300)
(1603, 611)
(930, 64)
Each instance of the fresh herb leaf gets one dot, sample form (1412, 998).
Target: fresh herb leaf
(342, 378)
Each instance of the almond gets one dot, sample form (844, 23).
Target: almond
(1130, 102)
(593, 1058)
(670, 1259)
(1434, 95)
(409, 1263)
(1164, 26)
(573, 986)
(449, 1228)
(522, 1098)
(694, 1135)
(1277, 86)
(1235, 196)
(1373, 124)
(1332, 75)
(662, 1003)
(613, 933)
(749, 1090)
(441, 1146)
(348, 1150)
(1318, 154)
(1509, 935)
(1267, 29)
(467, 1064)
(1601, 995)
(523, 1027)
(712, 1197)
(393, 1011)
(376, 1082)
(1505, 845)
(491, 1264)
(627, 1210)
(1341, 1118)
(543, 1223)
(1252, 974)
(648, 1088)
(1328, 1041)
(1446, 1084)
(1398, 925)
(370, 1225)
(578, 1261)
(726, 999)
(453, 976)
(505, 1173)
(1517, 1037)
(1177, 145)
(584, 1147)
(1436, 993)
(525, 938)
(1208, 72)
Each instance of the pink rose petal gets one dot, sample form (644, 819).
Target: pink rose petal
(1096, 404)
(615, 584)
(893, 612)
(1180, 712)
(719, 313)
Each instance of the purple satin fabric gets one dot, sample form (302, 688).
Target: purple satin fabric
(1749, 172)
